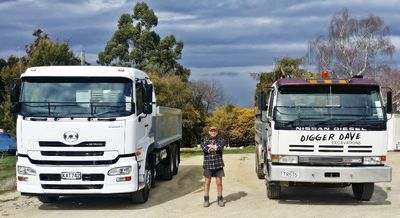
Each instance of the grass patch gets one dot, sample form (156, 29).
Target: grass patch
(7, 170)
(185, 153)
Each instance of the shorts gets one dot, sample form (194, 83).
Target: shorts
(214, 173)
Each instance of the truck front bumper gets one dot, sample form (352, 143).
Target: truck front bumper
(327, 174)
(35, 185)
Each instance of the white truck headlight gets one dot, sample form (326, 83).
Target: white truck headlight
(285, 159)
(120, 171)
(26, 171)
(372, 161)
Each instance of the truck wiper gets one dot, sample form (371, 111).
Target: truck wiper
(109, 112)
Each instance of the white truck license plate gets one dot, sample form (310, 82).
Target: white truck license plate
(290, 174)
(71, 175)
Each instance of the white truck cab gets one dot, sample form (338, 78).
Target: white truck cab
(85, 130)
(323, 131)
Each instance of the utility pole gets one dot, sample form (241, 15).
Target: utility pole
(83, 61)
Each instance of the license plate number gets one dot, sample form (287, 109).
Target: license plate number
(290, 174)
(71, 175)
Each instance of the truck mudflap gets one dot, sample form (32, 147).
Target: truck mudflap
(327, 174)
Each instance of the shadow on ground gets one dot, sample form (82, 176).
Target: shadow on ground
(188, 180)
(330, 196)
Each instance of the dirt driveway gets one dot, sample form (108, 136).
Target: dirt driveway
(244, 193)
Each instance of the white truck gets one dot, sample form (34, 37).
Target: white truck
(92, 130)
(322, 132)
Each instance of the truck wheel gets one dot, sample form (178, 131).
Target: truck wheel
(142, 195)
(363, 191)
(48, 198)
(259, 168)
(167, 167)
(176, 159)
(273, 190)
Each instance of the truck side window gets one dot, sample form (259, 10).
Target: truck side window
(139, 98)
(270, 104)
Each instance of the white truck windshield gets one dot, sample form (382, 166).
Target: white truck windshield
(329, 104)
(76, 97)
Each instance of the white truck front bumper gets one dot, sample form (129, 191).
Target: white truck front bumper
(327, 174)
(108, 185)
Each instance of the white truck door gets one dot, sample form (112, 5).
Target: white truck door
(141, 122)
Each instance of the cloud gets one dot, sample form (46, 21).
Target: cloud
(225, 39)
(221, 74)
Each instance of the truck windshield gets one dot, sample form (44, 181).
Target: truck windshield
(355, 105)
(76, 97)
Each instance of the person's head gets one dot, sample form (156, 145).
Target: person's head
(213, 132)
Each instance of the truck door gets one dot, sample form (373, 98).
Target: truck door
(141, 120)
(269, 116)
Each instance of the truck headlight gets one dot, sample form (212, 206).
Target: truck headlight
(26, 171)
(372, 161)
(120, 171)
(285, 159)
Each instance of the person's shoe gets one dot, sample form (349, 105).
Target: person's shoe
(206, 201)
(221, 201)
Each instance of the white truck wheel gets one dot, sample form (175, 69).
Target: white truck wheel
(142, 195)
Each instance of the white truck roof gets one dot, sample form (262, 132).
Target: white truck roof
(84, 71)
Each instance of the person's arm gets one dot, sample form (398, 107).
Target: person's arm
(204, 146)
(220, 145)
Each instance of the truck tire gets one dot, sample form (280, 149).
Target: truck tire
(167, 166)
(48, 198)
(176, 159)
(273, 190)
(363, 191)
(142, 195)
(259, 168)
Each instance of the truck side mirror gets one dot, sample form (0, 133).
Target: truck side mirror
(147, 108)
(389, 102)
(262, 103)
(15, 90)
(148, 93)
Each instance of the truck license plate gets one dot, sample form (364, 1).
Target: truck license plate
(71, 175)
(290, 174)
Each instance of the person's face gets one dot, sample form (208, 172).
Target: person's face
(213, 133)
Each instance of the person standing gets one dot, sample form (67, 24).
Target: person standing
(213, 165)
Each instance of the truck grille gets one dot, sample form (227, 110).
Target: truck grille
(322, 161)
(82, 144)
(332, 148)
(72, 153)
(57, 177)
(72, 186)
(301, 148)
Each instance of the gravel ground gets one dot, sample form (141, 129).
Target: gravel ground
(244, 195)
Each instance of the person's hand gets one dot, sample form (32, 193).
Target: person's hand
(211, 147)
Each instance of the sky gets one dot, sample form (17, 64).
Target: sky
(225, 40)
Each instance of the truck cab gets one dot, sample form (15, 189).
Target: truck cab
(85, 130)
(325, 131)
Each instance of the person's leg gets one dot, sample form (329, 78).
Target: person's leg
(219, 185)
(207, 182)
(219, 190)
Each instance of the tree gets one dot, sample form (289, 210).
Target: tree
(208, 94)
(390, 78)
(235, 125)
(171, 91)
(136, 44)
(353, 46)
(285, 66)
(42, 52)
